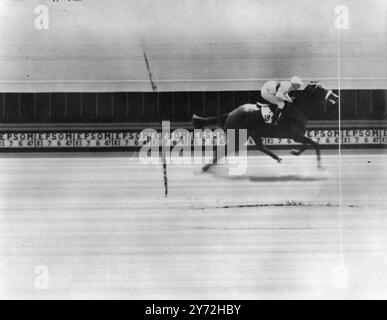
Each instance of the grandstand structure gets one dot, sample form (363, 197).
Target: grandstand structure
(147, 107)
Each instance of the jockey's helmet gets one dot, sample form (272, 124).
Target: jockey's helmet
(296, 81)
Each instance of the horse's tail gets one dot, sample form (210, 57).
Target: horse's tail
(201, 122)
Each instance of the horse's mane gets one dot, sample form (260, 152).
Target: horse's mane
(307, 94)
(302, 102)
(309, 89)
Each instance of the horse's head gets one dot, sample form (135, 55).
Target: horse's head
(318, 92)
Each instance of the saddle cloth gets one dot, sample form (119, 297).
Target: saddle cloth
(266, 112)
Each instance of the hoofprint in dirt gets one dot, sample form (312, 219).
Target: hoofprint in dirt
(103, 229)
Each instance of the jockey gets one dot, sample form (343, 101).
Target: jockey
(277, 93)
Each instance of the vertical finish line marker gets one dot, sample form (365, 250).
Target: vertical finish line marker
(163, 145)
(163, 154)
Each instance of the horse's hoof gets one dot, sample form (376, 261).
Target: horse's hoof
(206, 167)
(320, 167)
(279, 160)
(295, 152)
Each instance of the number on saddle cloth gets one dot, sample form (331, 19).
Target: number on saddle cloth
(266, 112)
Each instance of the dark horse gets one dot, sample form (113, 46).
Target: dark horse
(291, 125)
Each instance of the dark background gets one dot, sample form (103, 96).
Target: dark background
(117, 107)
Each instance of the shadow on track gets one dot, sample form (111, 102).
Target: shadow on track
(291, 177)
(223, 174)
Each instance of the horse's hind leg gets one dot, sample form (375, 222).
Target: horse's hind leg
(215, 160)
(209, 165)
(231, 146)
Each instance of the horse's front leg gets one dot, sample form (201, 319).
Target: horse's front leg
(305, 142)
(300, 150)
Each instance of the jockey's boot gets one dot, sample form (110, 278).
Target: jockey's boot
(276, 116)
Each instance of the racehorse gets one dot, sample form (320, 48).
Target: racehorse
(291, 125)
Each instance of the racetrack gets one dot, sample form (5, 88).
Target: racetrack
(101, 226)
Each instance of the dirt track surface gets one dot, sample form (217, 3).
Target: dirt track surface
(101, 228)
